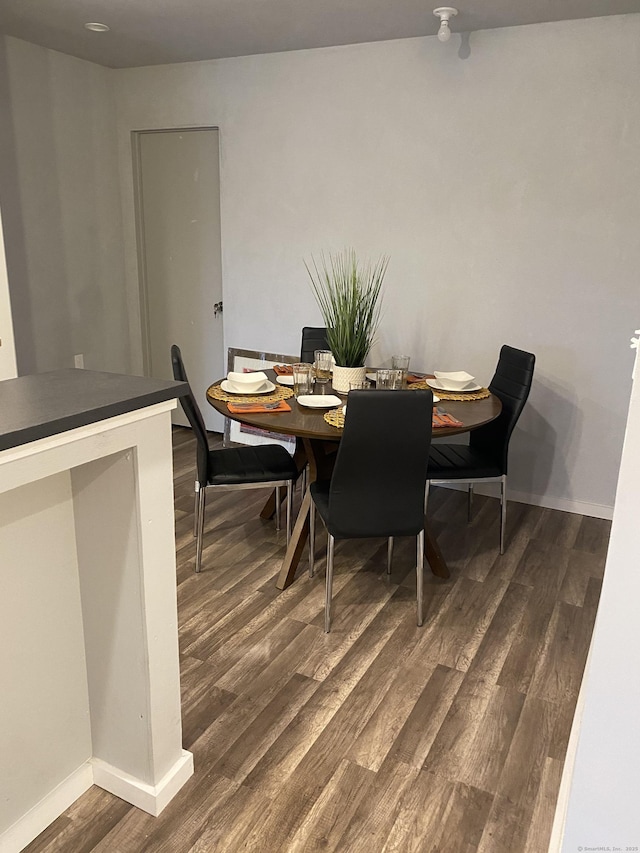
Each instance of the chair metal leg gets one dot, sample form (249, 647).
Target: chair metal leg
(277, 497)
(312, 538)
(196, 505)
(503, 511)
(200, 531)
(289, 509)
(327, 600)
(389, 553)
(469, 501)
(419, 575)
(426, 496)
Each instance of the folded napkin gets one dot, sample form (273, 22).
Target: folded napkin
(255, 408)
(444, 420)
(414, 377)
(283, 369)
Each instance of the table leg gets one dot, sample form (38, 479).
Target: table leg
(434, 555)
(296, 545)
(320, 456)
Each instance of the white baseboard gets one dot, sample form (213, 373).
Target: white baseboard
(149, 798)
(30, 825)
(547, 501)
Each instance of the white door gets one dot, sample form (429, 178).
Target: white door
(7, 349)
(180, 258)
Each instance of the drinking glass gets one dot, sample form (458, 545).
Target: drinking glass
(302, 379)
(396, 379)
(323, 364)
(360, 386)
(383, 378)
(401, 362)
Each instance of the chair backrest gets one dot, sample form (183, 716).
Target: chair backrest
(511, 383)
(194, 416)
(313, 338)
(378, 483)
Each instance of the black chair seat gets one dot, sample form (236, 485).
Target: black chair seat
(460, 462)
(260, 464)
(386, 519)
(320, 494)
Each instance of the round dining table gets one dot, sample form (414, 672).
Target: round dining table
(316, 443)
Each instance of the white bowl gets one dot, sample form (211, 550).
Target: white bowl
(456, 380)
(247, 381)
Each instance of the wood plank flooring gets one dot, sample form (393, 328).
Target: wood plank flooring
(380, 736)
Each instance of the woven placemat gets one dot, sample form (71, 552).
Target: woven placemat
(335, 418)
(280, 392)
(482, 394)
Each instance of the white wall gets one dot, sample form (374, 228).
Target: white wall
(61, 208)
(500, 173)
(603, 800)
(7, 350)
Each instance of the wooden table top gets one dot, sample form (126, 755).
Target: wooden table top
(310, 423)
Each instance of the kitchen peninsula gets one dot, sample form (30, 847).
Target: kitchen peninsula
(88, 622)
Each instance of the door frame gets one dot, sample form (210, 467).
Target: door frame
(143, 293)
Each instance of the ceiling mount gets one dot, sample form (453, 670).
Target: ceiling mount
(445, 13)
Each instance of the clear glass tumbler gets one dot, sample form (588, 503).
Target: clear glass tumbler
(323, 364)
(397, 379)
(383, 378)
(401, 362)
(302, 379)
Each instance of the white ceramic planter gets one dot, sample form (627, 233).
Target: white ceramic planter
(344, 376)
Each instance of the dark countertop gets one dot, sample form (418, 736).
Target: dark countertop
(44, 404)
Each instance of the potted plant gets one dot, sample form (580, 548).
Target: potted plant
(349, 298)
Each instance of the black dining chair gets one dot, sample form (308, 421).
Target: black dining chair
(378, 483)
(313, 338)
(485, 458)
(247, 467)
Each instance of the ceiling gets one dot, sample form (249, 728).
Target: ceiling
(152, 32)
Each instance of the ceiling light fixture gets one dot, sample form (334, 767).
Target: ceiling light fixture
(97, 28)
(444, 13)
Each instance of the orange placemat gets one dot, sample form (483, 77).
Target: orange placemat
(444, 420)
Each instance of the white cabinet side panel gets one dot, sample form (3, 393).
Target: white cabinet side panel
(44, 712)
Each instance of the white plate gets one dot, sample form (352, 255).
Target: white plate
(319, 401)
(230, 388)
(285, 380)
(442, 387)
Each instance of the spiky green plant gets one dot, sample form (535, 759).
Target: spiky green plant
(349, 298)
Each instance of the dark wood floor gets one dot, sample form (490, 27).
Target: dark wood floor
(380, 736)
